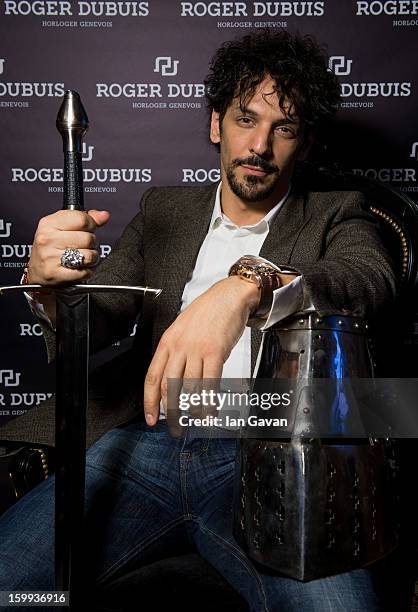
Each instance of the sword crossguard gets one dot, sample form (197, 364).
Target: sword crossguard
(82, 289)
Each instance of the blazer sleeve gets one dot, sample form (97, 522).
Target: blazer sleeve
(355, 274)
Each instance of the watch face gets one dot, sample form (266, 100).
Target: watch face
(247, 274)
(266, 270)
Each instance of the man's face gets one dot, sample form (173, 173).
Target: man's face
(260, 145)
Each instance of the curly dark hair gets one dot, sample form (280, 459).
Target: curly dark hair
(297, 64)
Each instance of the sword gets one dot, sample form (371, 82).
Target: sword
(72, 374)
(72, 325)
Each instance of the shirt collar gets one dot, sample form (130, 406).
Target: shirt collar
(219, 217)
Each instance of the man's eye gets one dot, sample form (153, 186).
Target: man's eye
(286, 131)
(244, 120)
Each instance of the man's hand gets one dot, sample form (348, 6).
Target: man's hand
(55, 233)
(200, 340)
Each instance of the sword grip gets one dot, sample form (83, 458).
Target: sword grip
(72, 123)
(73, 181)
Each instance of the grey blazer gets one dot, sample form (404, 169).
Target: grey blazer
(328, 237)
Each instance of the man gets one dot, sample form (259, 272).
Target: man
(148, 493)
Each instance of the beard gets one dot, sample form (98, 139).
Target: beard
(251, 188)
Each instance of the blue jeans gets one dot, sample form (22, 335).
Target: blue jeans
(150, 496)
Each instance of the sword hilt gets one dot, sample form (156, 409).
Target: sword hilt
(72, 123)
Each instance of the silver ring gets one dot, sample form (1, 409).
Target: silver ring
(72, 258)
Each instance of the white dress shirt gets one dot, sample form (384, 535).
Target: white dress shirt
(224, 243)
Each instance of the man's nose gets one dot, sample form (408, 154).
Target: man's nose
(261, 143)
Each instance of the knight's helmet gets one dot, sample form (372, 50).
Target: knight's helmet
(321, 498)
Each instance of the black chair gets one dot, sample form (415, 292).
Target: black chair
(188, 578)
(191, 580)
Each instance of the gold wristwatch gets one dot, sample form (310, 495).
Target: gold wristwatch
(256, 270)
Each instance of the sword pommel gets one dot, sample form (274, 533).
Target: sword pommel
(72, 122)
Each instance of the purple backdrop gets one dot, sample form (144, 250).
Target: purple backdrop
(139, 68)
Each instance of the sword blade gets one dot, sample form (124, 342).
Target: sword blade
(70, 439)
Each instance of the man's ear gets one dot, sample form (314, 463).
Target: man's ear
(215, 130)
(306, 145)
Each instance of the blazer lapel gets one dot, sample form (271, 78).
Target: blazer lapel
(285, 230)
(190, 224)
(279, 244)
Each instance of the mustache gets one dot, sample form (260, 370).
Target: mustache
(257, 162)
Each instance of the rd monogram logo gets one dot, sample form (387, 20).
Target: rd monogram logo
(4, 229)
(414, 151)
(8, 378)
(87, 152)
(339, 65)
(166, 66)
